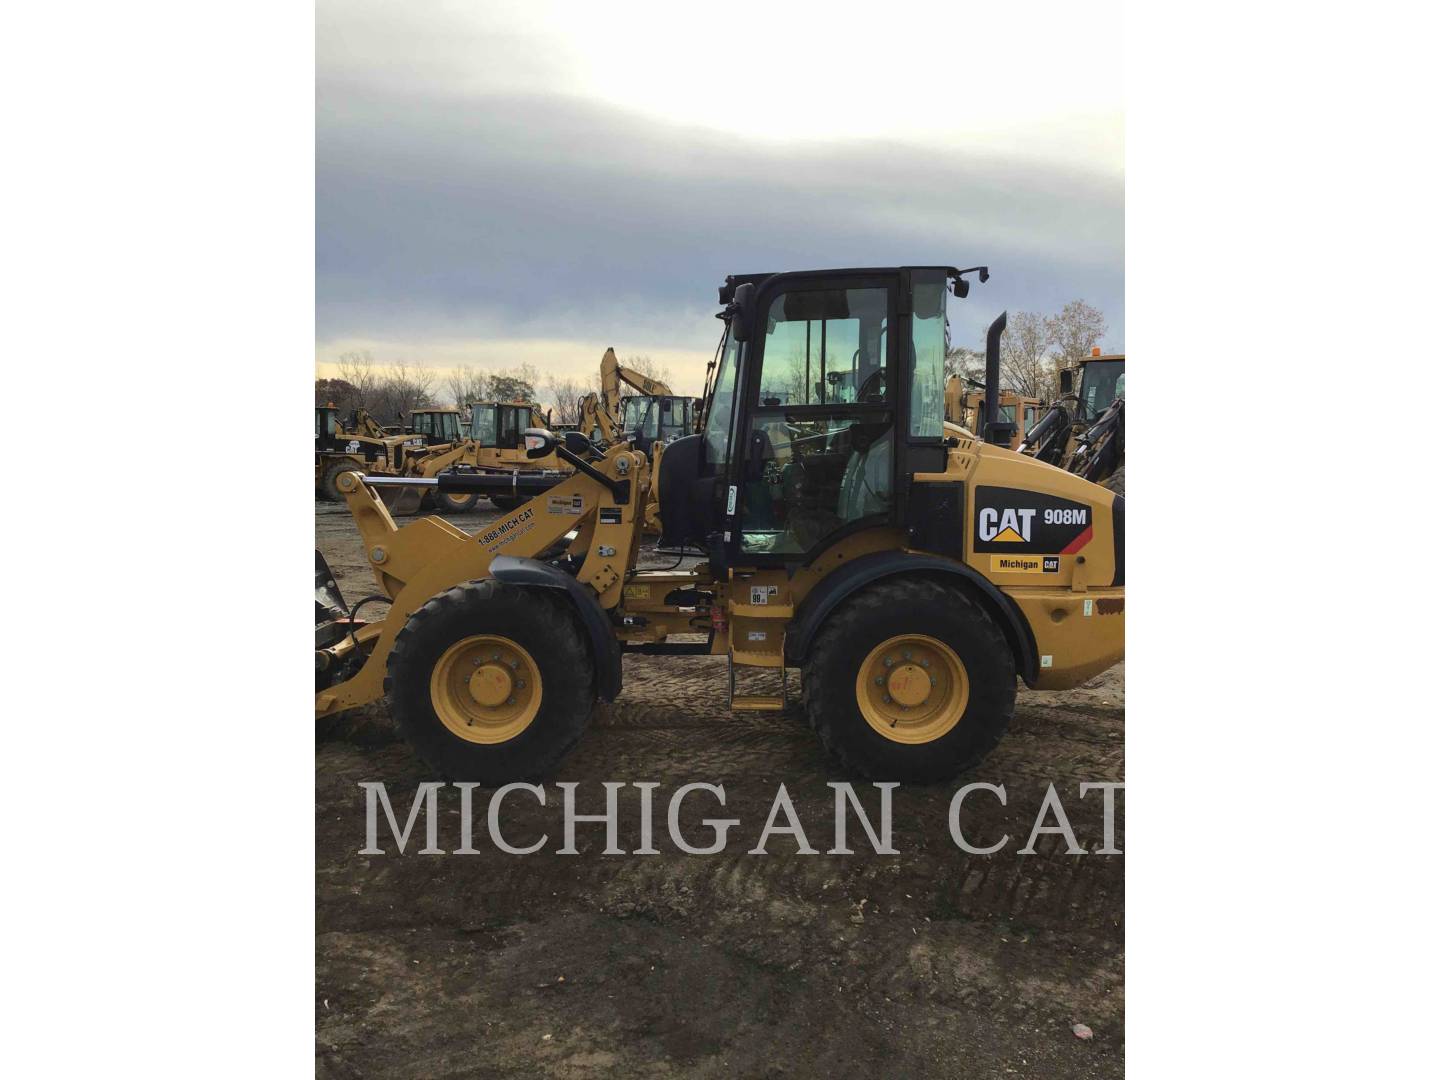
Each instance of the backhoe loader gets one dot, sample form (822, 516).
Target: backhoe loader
(360, 444)
(649, 420)
(910, 570)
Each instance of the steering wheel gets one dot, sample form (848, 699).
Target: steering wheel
(876, 376)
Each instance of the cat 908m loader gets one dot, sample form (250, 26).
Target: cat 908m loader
(910, 571)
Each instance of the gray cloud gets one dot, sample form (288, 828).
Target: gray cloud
(449, 215)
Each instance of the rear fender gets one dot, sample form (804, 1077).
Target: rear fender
(836, 586)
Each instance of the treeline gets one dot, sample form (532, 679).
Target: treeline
(1034, 349)
(392, 391)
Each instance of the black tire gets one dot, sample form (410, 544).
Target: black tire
(1116, 481)
(451, 503)
(328, 488)
(537, 620)
(876, 614)
(506, 503)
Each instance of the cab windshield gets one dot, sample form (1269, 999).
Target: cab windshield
(1101, 382)
(640, 416)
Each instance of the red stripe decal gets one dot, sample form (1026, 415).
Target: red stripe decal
(1079, 541)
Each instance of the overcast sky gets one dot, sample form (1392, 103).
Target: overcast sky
(503, 183)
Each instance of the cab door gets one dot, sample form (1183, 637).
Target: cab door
(815, 447)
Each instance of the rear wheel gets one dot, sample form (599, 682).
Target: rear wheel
(909, 680)
(506, 502)
(491, 683)
(328, 484)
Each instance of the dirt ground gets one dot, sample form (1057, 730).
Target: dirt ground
(931, 962)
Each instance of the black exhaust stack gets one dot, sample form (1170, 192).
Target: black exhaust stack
(997, 431)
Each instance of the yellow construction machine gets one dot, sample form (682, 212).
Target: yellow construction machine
(648, 420)
(1084, 430)
(966, 407)
(910, 570)
(359, 444)
(493, 444)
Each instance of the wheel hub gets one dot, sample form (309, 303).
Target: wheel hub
(485, 689)
(491, 685)
(912, 688)
(908, 684)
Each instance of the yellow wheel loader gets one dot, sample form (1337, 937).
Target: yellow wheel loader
(910, 570)
(492, 443)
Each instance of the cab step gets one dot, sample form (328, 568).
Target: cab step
(756, 702)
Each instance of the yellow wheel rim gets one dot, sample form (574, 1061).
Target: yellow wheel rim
(485, 689)
(912, 688)
(454, 502)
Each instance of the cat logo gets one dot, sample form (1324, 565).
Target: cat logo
(1007, 526)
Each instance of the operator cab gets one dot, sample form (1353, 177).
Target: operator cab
(436, 426)
(1102, 380)
(498, 425)
(829, 390)
(647, 419)
(327, 426)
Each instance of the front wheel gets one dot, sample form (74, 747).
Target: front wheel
(450, 502)
(909, 680)
(491, 683)
(330, 484)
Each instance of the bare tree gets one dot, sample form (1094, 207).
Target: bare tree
(1078, 328)
(1026, 365)
(564, 397)
(466, 384)
(405, 388)
(358, 369)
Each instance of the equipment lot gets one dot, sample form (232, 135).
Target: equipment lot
(930, 962)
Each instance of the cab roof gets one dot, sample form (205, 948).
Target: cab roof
(733, 281)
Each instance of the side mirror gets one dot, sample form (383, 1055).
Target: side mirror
(743, 304)
(1067, 381)
(538, 442)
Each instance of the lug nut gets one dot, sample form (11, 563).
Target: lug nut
(879, 680)
(510, 702)
(889, 661)
(887, 699)
(907, 654)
